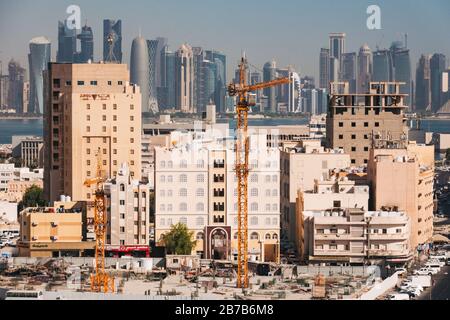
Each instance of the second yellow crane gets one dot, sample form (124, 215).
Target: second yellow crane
(241, 90)
(100, 280)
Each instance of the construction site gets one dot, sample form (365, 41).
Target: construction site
(182, 278)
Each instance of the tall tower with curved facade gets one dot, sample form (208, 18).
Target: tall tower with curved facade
(38, 59)
(139, 69)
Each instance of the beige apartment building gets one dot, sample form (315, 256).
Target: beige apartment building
(301, 166)
(53, 231)
(335, 194)
(89, 108)
(128, 212)
(402, 178)
(352, 124)
(356, 236)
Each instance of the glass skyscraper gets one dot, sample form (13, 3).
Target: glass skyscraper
(38, 59)
(402, 68)
(86, 38)
(67, 43)
(114, 29)
(382, 66)
(437, 67)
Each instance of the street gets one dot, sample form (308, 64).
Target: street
(441, 289)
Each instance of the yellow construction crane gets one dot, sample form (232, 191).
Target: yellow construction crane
(100, 280)
(241, 90)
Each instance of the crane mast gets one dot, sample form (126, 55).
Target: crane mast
(241, 90)
(100, 280)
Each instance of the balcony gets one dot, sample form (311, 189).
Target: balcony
(390, 236)
(335, 237)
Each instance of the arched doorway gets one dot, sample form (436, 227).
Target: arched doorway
(218, 243)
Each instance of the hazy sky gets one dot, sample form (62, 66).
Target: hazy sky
(290, 31)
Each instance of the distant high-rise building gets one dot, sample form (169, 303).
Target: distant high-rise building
(200, 101)
(423, 84)
(382, 66)
(437, 67)
(67, 43)
(270, 73)
(16, 83)
(112, 30)
(220, 61)
(324, 68)
(402, 68)
(160, 70)
(184, 79)
(349, 70)
(364, 69)
(4, 90)
(166, 92)
(334, 69)
(255, 77)
(38, 59)
(152, 46)
(337, 45)
(86, 38)
(139, 70)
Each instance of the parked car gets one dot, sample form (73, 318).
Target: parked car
(412, 292)
(424, 272)
(434, 265)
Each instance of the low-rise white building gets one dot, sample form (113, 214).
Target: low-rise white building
(195, 184)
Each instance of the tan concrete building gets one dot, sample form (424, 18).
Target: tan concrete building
(128, 203)
(17, 189)
(300, 167)
(89, 107)
(402, 178)
(333, 195)
(356, 236)
(352, 126)
(53, 231)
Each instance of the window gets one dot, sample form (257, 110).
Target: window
(183, 178)
(274, 193)
(254, 221)
(109, 83)
(162, 207)
(341, 124)
(353, 161)
(254, 178)
(93, 83)
(353, 124)
(254, 236)
(353, 136)
(199, 221)
(183, 206)
(333, 246)
(122, 229)
(122, 202)
(200, 192)
(254, 206)
(131, 106)
(336, 204)
(170, 164)
(68, 83)
(169, 179)
(254, 192)
(200, 178)
(377, 124)
(183, 220)
(200, 236)
(183, 192)
(80, 83)
(267, 179)
(341, 136)
(114, 118)
(104, 106)
(131, 118)
(120, 83)
(366, 148)
(200, 207)
(275, 221)
(162, 193)
(162, 179)
(268, 193)
(200, 164)
(114, 106)
(169, 207)
(366, 124)
(353, 149)
(162, 164)
(183, 164)
(268, 237)
(267, 207)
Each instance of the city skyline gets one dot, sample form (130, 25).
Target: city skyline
(287, 47)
